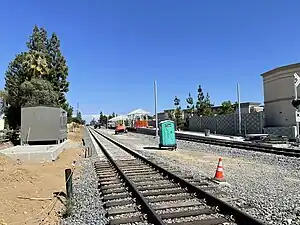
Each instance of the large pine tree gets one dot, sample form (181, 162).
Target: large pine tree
(203, 104)
(190, 104)
(58, 69)
(38, 40)
(36, 77)
(200, 99)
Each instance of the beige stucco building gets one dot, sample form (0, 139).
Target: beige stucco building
(280, 115)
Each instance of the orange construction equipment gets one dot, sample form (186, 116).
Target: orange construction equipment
(219, 176)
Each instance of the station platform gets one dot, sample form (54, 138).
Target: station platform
(151, 131)
(217, 136)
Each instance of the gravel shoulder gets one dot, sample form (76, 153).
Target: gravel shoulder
(268, 183)
(87, 207)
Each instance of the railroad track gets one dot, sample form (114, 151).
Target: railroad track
(235, 144)
(136, 190)
(244, 145)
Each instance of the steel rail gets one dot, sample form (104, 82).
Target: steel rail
(152, 216)
(245, 146)
(223, 207)
(256, 147)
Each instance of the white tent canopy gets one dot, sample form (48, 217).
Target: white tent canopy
(138, 112)
(118, 118)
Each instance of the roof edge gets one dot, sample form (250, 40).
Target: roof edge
(281, 68)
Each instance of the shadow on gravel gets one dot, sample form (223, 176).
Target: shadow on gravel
(156, 148)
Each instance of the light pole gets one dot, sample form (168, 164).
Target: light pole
(155, 106)
(239, 108)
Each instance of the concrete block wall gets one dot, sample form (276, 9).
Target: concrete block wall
(282, 131)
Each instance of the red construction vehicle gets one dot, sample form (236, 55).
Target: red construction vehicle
(120, 129)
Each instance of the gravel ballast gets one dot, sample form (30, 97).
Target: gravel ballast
(87, 205)
(268, 183)
(87, 208)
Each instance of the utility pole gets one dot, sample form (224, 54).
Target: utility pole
(155, 106)
(77, 110)
(239, 108)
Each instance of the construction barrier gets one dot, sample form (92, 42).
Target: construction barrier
(141, 123)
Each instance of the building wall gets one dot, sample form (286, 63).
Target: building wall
(162, 116)
(243, 110)
(278, 94)
(249, 108)
(256, 109)
(280, 114)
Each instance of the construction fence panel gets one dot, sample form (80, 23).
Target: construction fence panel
(225, 124)
(252, 123)
(208, 122)
(195, 123)
(290, 132)
(228, 124)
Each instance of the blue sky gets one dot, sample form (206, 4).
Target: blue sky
(115, 49)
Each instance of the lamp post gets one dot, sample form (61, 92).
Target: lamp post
(239, 108)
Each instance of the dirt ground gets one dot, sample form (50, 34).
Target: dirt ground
(19, 182)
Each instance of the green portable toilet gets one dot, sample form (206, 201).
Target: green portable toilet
(167, 134)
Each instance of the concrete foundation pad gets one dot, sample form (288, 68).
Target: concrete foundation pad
(35, 153)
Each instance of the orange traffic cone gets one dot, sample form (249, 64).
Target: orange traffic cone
(219, 176)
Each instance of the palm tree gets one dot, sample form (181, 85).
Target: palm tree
(36, 64)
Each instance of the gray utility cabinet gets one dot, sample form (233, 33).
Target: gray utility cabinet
(43, 124)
